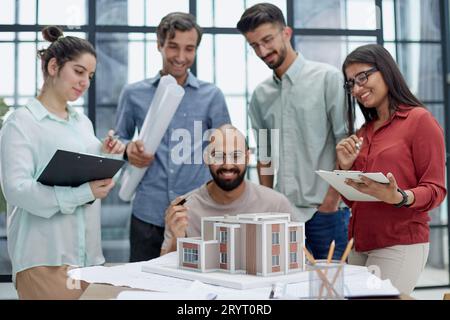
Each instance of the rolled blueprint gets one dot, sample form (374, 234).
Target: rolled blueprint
(165, 103)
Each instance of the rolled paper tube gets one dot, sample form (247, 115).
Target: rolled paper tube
(164, 105)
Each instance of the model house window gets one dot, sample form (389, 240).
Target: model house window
(223, 257)
(275, 238)
(223, 236)
(293, 236)
(275, 261)
(190, 255)
(293, 257)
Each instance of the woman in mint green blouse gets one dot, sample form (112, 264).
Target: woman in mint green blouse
(51, 229)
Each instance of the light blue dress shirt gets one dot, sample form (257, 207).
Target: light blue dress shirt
(47, 226)
(165, 179)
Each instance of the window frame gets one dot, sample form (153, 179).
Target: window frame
(293, 254)
(223, 258)
(275, 238)
(275, 260)
(190, 255)
(223, 236)
(293, 236)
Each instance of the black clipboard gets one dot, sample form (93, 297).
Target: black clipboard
(72, 169)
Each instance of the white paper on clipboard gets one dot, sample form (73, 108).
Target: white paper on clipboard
(337, 178)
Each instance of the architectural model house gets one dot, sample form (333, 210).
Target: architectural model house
(262, 244)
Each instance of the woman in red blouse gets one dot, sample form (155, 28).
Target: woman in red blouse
(403, 140)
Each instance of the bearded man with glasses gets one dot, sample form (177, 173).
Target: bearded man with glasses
(228, 193)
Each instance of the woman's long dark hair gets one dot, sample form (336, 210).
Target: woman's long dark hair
(398, 91)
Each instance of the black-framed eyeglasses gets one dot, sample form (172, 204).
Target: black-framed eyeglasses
(360, 79)
(235, 157)
(267, 42)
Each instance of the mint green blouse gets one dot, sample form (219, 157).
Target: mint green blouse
(47, 226)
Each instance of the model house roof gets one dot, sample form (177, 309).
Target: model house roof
(253, 218)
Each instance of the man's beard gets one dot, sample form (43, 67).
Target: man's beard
(279, 62)
(228, 185)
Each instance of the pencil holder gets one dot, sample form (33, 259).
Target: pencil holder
(326, 281)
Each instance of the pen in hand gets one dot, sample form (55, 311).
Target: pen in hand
(111, 138)
(112, 145)
(359, 144)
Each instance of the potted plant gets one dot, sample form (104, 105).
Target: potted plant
(3, 110)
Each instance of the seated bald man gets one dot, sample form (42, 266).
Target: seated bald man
(228, 192)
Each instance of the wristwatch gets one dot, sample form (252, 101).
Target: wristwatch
(404, 200)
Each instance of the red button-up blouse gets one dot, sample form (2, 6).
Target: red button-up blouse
(410, 146)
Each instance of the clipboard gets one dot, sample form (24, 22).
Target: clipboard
(337, 178)
(72, 169)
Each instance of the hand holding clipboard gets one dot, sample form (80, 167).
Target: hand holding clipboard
(337, 179)
(72, 169)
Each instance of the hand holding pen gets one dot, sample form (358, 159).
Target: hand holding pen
(347, 150)
(112, 144)
(177, 217)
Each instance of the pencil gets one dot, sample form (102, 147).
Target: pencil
(331, 252)
(309, 256)
(329, 258)
(322, 277)
(347, 250)
(343, 259)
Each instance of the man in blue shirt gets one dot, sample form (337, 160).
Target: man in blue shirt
(202, 108)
